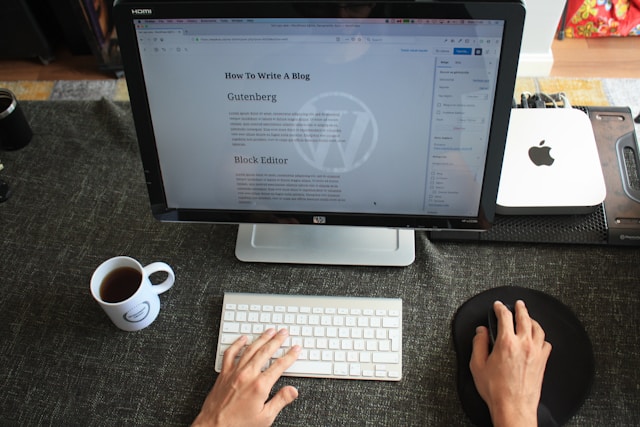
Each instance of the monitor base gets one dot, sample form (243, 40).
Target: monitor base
(322, 244)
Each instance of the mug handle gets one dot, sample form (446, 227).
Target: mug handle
(157, 267)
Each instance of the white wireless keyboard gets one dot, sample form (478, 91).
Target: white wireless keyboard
(341, 337)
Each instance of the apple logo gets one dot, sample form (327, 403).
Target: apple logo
(540, 155)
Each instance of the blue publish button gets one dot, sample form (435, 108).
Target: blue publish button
(462, 51)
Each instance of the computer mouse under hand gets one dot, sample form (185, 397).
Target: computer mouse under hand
(493, 323)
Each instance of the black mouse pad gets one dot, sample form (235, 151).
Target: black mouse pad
(570, 369)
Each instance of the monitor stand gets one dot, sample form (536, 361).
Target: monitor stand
(323, 244)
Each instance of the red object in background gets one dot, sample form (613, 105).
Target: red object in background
(602, 18)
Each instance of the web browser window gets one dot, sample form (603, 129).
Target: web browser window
(334, 115)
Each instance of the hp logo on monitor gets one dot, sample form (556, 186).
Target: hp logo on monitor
(319, 219)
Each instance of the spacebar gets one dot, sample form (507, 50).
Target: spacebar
(306, 367)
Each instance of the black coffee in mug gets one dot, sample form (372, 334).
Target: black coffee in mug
(120, 284)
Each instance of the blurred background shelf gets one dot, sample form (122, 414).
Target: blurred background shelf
(75, 40)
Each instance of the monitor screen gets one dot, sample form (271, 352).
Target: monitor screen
(375, 114)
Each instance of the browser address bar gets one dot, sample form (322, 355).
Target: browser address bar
(308, 39)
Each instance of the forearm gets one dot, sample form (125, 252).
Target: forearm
(507, 416)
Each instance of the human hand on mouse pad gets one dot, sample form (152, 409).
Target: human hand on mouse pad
(509, 378)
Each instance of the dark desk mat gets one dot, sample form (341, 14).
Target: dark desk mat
(79, 197)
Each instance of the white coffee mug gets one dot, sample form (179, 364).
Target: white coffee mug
(122, 287)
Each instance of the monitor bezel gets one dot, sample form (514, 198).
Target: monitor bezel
(512, 12)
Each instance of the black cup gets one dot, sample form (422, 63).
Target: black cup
(15, 131)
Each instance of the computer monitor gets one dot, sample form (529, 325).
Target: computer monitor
(329, 131)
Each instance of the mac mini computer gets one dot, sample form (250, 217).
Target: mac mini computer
(551, 164)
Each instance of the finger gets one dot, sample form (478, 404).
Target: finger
(524, 324)
(282, 364)
(480, 351)
(505, 319)
(257, 344)
(539, 338)
(282, 398)
(537, 332)
(230, 354)
(263, 353)
(546, 350)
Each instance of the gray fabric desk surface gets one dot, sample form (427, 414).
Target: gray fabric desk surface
(79, 198)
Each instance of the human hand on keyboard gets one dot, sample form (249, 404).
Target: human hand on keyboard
(239, 395)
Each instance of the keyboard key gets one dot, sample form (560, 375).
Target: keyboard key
(354, 369)
(231, 327)
(229, 338)
(310, 368)
(391, 322)
(385, 358)
(341, 369)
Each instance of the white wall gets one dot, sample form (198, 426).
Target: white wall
(540, 25)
